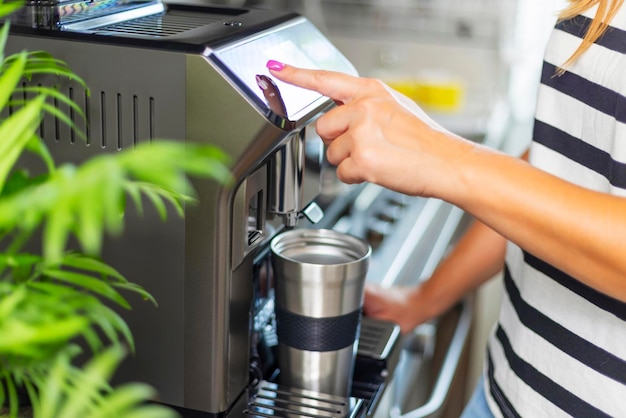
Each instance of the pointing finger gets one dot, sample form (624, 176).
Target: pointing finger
(338, 86)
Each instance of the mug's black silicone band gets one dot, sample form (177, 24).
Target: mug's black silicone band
(317, 334)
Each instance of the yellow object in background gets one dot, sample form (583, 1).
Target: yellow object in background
(442, 94)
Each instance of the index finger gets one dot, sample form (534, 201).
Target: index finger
(338, 86)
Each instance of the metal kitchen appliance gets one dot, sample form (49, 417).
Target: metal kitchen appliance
(194, 73)
(197, 74)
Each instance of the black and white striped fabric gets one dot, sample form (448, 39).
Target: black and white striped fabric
(559, 347)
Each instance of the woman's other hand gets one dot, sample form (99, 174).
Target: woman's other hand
(395, 304)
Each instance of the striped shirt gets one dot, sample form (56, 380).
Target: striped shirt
(559, 346)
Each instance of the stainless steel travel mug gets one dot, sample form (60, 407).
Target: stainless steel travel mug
(319, 280)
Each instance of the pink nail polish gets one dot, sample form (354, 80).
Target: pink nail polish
(275, 65)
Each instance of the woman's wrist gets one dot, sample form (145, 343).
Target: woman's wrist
(424, 305)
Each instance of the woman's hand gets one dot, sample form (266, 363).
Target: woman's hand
(396, 304)
(372, 136)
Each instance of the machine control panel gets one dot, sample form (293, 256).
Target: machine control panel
(297, 42)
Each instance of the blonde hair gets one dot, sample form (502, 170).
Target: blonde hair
(605, 13)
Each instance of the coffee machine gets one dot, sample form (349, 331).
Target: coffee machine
(196, 74)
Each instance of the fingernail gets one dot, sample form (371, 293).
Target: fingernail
(275, 65)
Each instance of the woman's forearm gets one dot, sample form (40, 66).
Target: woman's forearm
(476, 258)
(579, 231)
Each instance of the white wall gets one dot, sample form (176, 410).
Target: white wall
(534, 20)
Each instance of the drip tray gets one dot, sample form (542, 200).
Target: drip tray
(273, 400)
(376, 360)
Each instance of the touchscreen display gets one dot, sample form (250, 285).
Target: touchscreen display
(300, 44)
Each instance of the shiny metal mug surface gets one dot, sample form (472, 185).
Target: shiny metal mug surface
(319, 276)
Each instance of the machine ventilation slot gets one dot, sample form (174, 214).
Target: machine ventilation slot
(72, 116)
(125, 120)
(120, 131)
(158, 26)
(152, 118)
(41, 128)
(135, 120)
(109, 120)
(103, 119)
(87, 110)
(272, 400)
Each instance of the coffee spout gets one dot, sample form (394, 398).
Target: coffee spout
(287, 184)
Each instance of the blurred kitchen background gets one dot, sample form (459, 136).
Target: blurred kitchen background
(473, 65)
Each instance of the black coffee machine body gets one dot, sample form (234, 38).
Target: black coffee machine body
(189, 73)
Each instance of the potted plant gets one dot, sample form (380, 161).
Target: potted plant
(57, 296)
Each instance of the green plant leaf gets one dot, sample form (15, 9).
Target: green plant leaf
(133, 287)
(91, 382)
(91, 264)
(175, 199)
(4, 34)
(10, 77)
(157, 202)
(53, 110)
(88, 283)
(93, 339)
(16, 131)
(54, 93)
(45, 69)
(111, 323)
(56, 230)
(78, 303)
(36, 146)
(124, 401)
(6, 8)
(217, 170)
(65, 202)
(2, 390)
(89, 214)
(33, 397)
(10, 301)
(50, 395)
(41, 62)
(112, 196)
(19, 180)
(11, 392)
(22, 339)
(26, 208)
(134, 191)
(69, 392)
(60, 115)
